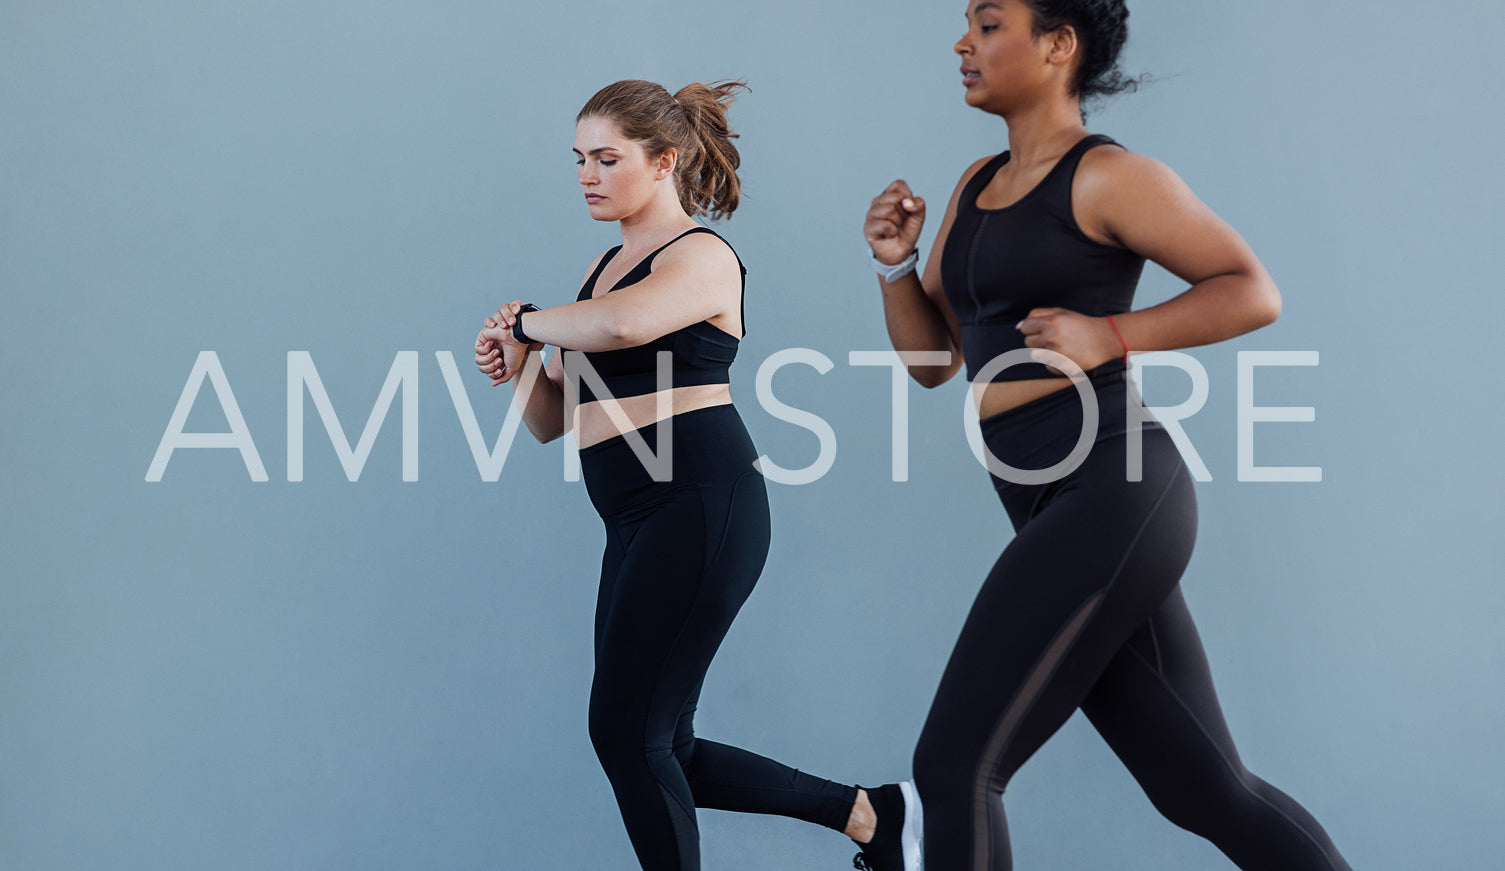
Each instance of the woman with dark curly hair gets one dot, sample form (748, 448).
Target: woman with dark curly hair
(670, 468)
(1030, 284)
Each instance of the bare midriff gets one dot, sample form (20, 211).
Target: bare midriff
(607, 418)
(1001, 396)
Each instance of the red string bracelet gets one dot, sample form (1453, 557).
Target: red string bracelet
(1120, 337)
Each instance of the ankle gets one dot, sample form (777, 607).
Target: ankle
(863, 822)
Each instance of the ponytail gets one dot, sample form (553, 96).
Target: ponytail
(708, 181)
(1102, 28)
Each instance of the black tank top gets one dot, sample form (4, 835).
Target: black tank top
(703, 353)
(998, 264)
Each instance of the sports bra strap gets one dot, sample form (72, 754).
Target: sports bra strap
(649, 259)
(588, 289)
(1067, 162)
(984, 174)
(740, 265)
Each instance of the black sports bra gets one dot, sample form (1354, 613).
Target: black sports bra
(703, 353)
(998, 264)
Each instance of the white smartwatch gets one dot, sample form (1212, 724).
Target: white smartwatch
(898, 270)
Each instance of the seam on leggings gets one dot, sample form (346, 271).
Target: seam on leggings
(1046, 666)
(687, 843)
(1155, 644)
(713, 553)
(658, 679)
(1235, 769)
(1005, 729)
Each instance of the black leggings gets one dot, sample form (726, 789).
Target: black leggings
(681, 558)
(1083, 610)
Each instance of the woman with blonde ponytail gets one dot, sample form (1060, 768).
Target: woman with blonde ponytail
(642, 379)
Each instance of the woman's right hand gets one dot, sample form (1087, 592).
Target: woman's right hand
(893, 223)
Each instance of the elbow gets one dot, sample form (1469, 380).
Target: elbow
(1252, 300)
(1266, 303)
(620, 333)
(929, 378)
(544, 435)
(621, 328)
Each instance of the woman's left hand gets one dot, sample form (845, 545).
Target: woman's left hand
(1088, 341)
(498, 354)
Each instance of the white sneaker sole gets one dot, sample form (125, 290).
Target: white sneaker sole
(914, 826)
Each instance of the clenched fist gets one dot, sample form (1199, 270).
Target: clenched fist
(893, 223)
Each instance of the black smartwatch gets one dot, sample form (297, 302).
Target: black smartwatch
(517, 325)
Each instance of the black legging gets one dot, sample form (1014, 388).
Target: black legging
(1083, 610)
(681, 558)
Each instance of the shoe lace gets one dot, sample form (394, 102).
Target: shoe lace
(859, 862)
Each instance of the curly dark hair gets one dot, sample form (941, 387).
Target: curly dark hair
(1102, 27)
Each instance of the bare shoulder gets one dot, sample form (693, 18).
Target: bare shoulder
(1115, 174)
(1115, 189)
(699, 252)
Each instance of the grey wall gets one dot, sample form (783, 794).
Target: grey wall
(211, 673)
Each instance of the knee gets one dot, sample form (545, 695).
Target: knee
(624, 745)
(939, 768)
(1209, 803)
(610, 735)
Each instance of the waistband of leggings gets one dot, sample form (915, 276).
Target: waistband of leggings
(1040, 433)
(1060, 414)
(708, 447)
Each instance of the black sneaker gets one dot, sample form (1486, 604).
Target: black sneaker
(896, 842)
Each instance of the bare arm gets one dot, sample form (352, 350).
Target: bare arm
(501, 359)
(538, 389)
(1151, 211)
(1138, 203)
(695, 279)
(914, 306)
